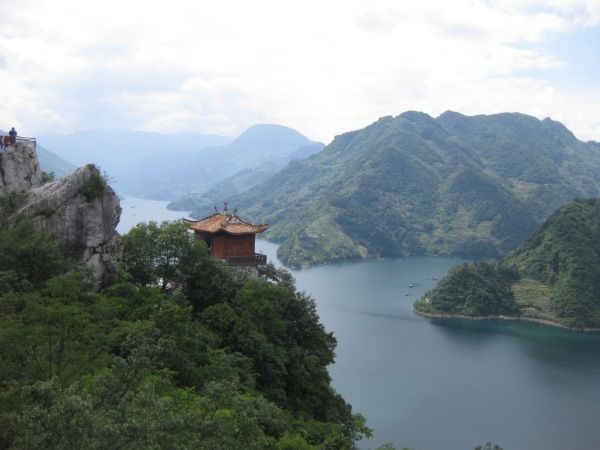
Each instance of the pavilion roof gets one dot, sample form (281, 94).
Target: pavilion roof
(224, 222)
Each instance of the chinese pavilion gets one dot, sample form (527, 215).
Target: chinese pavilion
(229, 238)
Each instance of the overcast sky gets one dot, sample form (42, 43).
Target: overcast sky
(322, 67)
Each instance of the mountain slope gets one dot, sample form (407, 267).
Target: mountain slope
(554, 275)
(227, 188)
(471, 186)
(238, 183)
(177, 175)
(51, 162)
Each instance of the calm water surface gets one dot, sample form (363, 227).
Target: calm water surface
(136, 210)
(450, 384)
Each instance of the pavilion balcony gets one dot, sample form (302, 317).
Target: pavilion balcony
(255, 260)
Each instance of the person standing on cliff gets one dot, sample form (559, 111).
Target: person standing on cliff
(13, 135)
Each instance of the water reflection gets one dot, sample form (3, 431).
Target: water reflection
(549, 345)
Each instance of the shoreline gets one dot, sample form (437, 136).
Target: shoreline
(500, 317)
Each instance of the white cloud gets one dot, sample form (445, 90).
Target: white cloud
(320, 67)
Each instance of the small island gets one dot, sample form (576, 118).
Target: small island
(553, 277)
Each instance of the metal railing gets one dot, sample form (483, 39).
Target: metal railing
(27, 139)
(255, 260)
(9, 140)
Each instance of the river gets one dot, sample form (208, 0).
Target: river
(445, 384)
(136, 210)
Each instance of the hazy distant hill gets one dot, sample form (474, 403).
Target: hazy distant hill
(238, 183)
(114, 149)
(166, 167)
(51, 162)
(173, 176)
(122, 153)
(472, 186)
(554, 275)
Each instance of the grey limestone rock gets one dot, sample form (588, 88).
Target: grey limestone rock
(19, 168)
(81, 210)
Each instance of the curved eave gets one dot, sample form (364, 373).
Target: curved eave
(256, 230)
(244, 228)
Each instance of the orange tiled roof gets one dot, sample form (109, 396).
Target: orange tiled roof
(224, 222)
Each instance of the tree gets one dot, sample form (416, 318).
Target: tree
(154, 253)
(30, 255)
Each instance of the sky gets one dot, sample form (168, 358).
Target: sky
(322, 67)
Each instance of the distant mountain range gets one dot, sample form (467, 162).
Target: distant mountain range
(458, 185)
(554, 275)
(166, 167)
(239, 182)
(122, 153)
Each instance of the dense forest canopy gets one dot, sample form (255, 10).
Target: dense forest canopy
(229, 363)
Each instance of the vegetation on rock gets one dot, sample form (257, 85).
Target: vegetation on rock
(94, 186)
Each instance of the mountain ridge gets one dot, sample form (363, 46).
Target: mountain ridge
(472, 186)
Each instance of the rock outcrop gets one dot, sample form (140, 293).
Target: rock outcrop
(19, 168)
(81, 210)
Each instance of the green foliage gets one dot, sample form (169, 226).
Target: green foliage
(27, 255)
(153, 252)
(9, 204)
(554, 275)
(94, 186)
(48, 177)
(564, 254)
(470, 186)
(488, 446)
(477, 289)
(239, 364)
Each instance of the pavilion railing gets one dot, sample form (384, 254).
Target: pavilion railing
(255, 260)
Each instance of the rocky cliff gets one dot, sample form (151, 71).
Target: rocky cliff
(19, 168)
(80, 210)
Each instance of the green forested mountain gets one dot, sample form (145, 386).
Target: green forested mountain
(472, 186)
(228, 363)
(554, 275)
